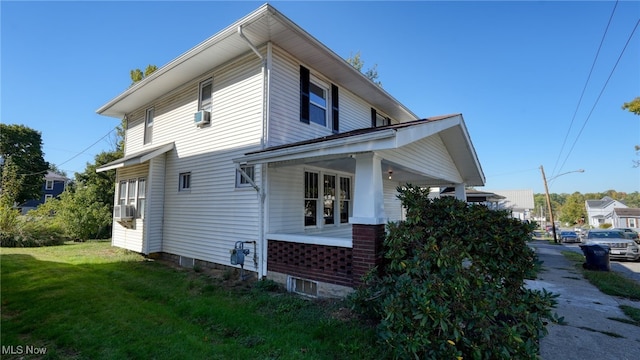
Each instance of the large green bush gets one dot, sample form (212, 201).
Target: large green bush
(452, 284)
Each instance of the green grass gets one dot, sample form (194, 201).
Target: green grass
(92, 301)
(609, 282)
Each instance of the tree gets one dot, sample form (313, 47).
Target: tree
(573, 211)
(137, 74)
(21, 152)
(357, 62)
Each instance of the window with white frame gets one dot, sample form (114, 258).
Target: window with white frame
(241, 181)
(48, 197)
(318, 100)
(345, 199)
(310, 198)
(133, 192)
(331, 210)
(633, 223)
(49, 185)
(148, 126)
(184, 181)
(142, 197)
(205, 95)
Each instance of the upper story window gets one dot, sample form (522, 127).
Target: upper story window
(378, 119)
(49, 185)
(318, 101)
(205, 95)
(148, 126)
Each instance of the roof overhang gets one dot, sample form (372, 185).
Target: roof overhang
(450, 128)
(265, 24)
(137, 158)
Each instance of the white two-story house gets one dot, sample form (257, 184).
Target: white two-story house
(264, 136)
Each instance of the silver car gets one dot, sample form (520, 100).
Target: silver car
(620, 247)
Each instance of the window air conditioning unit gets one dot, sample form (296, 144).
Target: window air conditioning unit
(201, 117)
(124, 212)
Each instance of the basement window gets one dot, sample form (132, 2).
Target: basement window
(302, 286)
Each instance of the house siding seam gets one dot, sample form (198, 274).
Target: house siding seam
(331, 264)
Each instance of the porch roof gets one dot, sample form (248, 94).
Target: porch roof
(137, 158)
(450, 128)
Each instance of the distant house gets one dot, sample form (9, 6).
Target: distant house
(625, 218)
(519, 202)
(54, 184)
(600, 211)
(261, 137)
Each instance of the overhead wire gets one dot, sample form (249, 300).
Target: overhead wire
(584, 88)
(600, 94)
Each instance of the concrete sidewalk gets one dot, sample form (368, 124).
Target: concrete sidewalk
(587, 332)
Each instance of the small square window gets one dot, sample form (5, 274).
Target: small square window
(49, 185)
(242, 181)
(185, 181)
(47, 197)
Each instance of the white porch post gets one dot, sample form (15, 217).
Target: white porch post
(461, 193)
(368, 205)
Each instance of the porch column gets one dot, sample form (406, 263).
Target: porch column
(461, 193)
(369, 219)
(368, 204)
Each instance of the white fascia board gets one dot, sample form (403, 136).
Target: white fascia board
(378, 140)
(136, 159)
(418, 132)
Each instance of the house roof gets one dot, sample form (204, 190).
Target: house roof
(137, 158)
(55, 176)
(516, 199)
(602, 203)
(475, 195)
(627, 212)
(265, 24)
(450, 128)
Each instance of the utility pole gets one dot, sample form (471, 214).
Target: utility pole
(546, 190)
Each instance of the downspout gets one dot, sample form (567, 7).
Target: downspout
(266, 68)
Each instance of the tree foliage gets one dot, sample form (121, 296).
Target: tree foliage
(574, 210)
(452, 283)
(23, 160)
(372, 73)
(138, 75)
(632, 106)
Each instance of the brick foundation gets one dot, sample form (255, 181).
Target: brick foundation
(331, 264)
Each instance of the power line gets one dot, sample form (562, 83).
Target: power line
(74, 156)
(600, 94)
(584, 88)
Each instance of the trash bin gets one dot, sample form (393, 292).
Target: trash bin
(597, 257)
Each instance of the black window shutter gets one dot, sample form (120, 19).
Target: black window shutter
(304, 94)
(373, 117)
(335, 109)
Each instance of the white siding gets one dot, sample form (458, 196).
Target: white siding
(205, 222)
(392, 205)
(285, 125)
(154, 217)
(434, 161)
(286, 199)
(131, 239)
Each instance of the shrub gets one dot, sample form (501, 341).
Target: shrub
(452, 283)
(605, 226)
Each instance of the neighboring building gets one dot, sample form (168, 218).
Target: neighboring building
(600, 211)
(625, 218)
(262, 137)
(519, 202)
(486, 198)
(54, 184)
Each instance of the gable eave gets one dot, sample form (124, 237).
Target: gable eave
(265, 24)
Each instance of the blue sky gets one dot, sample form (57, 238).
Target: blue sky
(515, 70)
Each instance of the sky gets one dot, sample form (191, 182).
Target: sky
(539, 83)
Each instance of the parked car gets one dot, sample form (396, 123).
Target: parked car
(620, 247)
(569, 236)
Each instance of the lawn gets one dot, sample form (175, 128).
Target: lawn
(92, 301)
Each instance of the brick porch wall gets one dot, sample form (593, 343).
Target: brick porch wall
(330, 264)
(367, 248)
